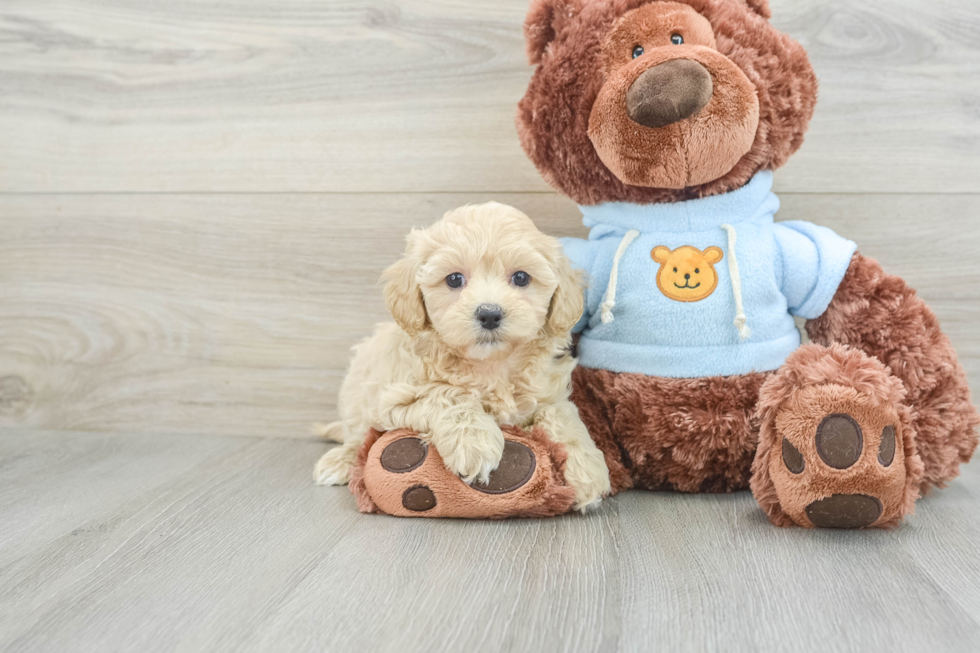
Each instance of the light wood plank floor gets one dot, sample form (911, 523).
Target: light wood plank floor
(127, 542)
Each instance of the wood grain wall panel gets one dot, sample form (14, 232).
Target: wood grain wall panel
(235, 313)
(414, 95)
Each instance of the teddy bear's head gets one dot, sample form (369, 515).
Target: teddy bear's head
(659, 101)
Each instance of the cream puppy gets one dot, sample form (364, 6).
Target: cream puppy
(484, 305)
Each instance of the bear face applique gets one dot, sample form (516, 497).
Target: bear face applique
(687, 274)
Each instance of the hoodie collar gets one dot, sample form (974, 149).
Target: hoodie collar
(749, 201)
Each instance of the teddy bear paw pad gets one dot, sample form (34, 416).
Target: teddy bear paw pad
(419, 498)
(844, 511)
(404, 455)
(515, 469)
(399, 474)
(837, 465)
(839, 441)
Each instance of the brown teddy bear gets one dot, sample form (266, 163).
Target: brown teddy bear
(664, 120)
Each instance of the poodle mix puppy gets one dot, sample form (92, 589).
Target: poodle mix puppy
(484, 305)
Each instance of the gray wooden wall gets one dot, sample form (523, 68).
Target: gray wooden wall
(197, 197)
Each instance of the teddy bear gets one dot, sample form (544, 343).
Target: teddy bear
(664, 121)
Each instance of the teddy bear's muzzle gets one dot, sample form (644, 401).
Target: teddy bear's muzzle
(676, 117)
(668, 93)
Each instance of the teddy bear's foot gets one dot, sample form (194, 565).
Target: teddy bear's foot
(397, 473)
(860, 497)
(836, 448)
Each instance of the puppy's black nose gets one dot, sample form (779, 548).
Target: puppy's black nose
(490, 316)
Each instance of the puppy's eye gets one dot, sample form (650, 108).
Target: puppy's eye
(676, 39)
(521, 279)
(638, 51)
(455, 280)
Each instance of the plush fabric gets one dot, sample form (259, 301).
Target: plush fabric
(379, 490)
(820, 381)
(685, 435)
(760, 7)
(565, 38)
(681, 324)
(668, 93)
(640, 147)
(881, 315)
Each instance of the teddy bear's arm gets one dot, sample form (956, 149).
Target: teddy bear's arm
(814, 260)
(881, 315)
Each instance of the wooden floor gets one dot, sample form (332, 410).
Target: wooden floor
(127, 542)
(196, 200)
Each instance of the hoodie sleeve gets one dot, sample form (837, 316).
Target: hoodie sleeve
(583, 254)
(815, 260)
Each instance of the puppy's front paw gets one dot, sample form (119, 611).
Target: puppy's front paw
(334, 467)
(586, 471)
(473, 453)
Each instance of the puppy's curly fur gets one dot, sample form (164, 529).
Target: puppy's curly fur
(439, 372)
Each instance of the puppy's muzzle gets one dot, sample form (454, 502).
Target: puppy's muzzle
(489, 316)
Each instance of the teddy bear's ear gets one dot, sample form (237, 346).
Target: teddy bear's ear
(760, 7)
(544, 20)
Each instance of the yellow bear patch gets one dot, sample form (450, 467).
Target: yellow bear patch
(687, 274)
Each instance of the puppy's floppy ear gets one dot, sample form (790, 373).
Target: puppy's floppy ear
(568, 302)
(402, 293)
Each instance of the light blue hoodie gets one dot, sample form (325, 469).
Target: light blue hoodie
(732, 314)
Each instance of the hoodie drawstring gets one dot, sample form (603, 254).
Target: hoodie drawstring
(741, 322)
(610, 301)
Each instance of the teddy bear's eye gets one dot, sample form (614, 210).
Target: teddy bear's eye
(455, 280)
(638, 51)
(675, 269)
(697, 270)
(521, 279)
(676, 39)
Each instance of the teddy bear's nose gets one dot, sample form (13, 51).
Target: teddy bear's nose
(669, 93)
(687, 276)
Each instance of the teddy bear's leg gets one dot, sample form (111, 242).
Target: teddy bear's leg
(836, 448)
(592, 393)
(687, 435)
(397, 473)
(879, 314)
